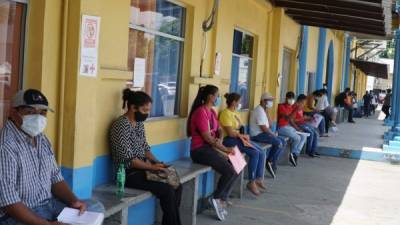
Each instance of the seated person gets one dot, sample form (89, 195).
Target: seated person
(230, 122)
(260, 131)
(326, 110)
(207, 147)
(301, 122)
(311, 110)
(288, 128)
(129, 146)
(32, 189)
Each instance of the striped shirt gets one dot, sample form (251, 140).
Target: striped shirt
(27, 171)
(127, 142)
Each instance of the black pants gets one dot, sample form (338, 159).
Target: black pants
(386, 110)
(210, 157)
(170, 199)
(328, 120)
(350, 109)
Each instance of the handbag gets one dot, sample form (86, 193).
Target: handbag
(168, 176)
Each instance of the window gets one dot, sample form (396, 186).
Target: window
(156, 38)
(242, 63)
(12, 26)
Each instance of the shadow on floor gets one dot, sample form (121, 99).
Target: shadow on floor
(307, 195)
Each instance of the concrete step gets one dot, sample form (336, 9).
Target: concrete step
(394, 143)
(397, 138)
(391, 148)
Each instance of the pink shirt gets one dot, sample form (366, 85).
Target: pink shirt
(203, 120)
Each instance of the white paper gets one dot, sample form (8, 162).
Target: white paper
(89, 45)
(139, 72)
(71, 216)
(303, 133)
(218, 59)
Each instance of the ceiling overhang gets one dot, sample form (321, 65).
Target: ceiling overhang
(372, 17)
(374, 69)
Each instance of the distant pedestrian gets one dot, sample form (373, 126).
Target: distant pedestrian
(387, 103)
(367, 98)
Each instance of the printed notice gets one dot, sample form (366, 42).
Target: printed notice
(89, 45)
(218, 59)
(139, 73)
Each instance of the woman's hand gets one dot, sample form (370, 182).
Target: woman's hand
(158, 167)
(230, 151)
(244, 137)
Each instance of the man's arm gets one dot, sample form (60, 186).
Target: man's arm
(266, 129)
(62, 192)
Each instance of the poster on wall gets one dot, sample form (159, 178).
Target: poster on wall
(89, 45)
(139, 73)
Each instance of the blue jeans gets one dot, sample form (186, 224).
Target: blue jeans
(278, 144)
(52, 209)
(257, 157)
(322, 126)
(297, 140)
(312, 140)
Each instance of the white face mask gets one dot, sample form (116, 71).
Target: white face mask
(291, 101)
(33, 124)
(270, 104)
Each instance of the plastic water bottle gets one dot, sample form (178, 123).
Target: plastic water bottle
(121, 180)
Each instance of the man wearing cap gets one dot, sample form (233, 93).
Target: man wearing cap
(32, 189)
(260, 131)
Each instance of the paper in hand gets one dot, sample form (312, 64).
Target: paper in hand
(72, 217)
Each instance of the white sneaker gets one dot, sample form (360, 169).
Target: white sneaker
(218, 209)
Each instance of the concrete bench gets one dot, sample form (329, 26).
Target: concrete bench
(117, 209)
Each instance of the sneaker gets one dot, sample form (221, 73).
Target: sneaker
(219, 210)
(292, 160)
(295, 158)
(352, 121)
(224, 205)
(270, 169)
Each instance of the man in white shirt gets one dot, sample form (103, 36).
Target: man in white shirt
(325, 109)
(260, 131)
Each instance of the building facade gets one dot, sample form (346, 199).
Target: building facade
(157, 46)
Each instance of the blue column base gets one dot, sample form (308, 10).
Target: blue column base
(389, 135)
(389, 123)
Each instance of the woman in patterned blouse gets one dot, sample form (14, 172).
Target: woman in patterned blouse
(129, 146)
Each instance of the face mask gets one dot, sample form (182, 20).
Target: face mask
(140, 117)
(270, 104)
(217, 102)
(291, 101)
(239, 107)
(33, 124)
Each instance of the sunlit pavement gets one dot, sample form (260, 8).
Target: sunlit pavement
(326, 191)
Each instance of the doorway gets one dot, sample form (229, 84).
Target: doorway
(12, 33)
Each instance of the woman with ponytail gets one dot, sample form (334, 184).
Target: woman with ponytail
(231, 123)
(129, 146)
(207, 147)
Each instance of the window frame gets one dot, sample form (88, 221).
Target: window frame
(247, 57)
(181, 40)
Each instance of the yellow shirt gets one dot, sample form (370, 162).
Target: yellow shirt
(227, 118)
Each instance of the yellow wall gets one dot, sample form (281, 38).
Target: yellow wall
(285, 33)
(85, 107)
(312, 53)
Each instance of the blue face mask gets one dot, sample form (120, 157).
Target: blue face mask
(217, 102)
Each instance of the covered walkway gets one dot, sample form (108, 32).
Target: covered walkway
(329, 190)
(365, 135)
